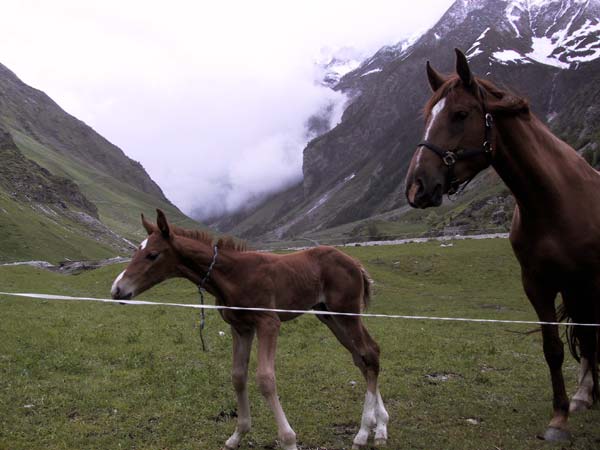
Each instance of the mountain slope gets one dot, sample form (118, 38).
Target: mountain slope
(65, 191)
(546, 50)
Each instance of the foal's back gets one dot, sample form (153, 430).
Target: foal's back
(321, 275)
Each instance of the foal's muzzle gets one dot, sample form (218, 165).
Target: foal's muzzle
(118, 294)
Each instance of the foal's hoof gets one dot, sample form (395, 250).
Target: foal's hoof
(578, 406)
(379, 443)
(556, 435)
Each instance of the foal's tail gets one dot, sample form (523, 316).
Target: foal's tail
(367, 281)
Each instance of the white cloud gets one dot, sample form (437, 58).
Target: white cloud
(211, 97)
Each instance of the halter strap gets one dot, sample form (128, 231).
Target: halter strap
(451, 157)
(201, 292)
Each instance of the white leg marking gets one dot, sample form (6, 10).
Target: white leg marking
(382, 420)
(586, 384)
(116, 282)
(243, 420)
(368, 421)
(287, 436)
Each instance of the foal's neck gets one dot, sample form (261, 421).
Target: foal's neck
(196, 258)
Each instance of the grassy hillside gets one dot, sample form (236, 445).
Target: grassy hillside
(119, 204)
(65, 191)
(32, 234)
(87, 375)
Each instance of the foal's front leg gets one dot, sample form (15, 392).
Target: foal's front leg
(267, 331)
(242, 345)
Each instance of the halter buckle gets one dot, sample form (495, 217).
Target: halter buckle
(449, 158)
(489, 120)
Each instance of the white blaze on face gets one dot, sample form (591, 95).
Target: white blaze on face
(435, 112)
(113, 289)
(143, 244)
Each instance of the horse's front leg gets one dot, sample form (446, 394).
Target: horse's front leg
(542, 298)
(242, 345)
(267, 330)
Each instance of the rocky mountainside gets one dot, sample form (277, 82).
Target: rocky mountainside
(548, 51)
(65, 191)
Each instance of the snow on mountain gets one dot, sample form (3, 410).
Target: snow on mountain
(333, 64)
(559, 33)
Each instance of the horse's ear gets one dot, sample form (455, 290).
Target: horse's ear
(147, 225)
(163, 225)
(435, 79)
(462, 68)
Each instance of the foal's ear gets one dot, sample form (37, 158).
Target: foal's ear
(435, 79)
(462, 68)
(163, 225)
(147, 225)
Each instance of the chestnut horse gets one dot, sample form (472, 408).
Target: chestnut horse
(555, 234)
(320, 278)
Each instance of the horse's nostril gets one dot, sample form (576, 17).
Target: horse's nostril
(420, 186)
(414, 191)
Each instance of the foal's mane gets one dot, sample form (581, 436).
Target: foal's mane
(223, 243)
(498, 100)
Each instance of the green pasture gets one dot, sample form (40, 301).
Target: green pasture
(78, 375)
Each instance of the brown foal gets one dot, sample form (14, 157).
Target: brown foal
(555, 234)
(321, 278)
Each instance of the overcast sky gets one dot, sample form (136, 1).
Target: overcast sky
(211, 97)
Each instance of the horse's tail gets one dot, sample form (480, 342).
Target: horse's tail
(367, 281)
(571, 336)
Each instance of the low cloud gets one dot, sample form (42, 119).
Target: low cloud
(212, 98)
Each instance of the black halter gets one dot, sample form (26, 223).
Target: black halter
(451, 157)
(201, 292)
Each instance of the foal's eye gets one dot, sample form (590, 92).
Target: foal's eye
(152, 256)
(461, 115)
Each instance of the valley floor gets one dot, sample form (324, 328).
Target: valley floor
(96, 376)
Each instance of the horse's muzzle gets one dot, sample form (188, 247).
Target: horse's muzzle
(423, 195)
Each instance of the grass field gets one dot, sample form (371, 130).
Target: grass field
(77, 375)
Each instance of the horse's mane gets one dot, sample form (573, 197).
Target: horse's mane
(223, 242)
(502, 101)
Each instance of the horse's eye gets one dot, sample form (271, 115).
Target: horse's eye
(152, 256)
(461, 115)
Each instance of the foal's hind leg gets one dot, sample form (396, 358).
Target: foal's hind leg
(242, 346)
(353, 335)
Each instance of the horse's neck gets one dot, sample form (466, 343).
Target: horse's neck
(534, 164)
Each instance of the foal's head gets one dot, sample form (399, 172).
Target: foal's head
(154, 261)
(458, 142)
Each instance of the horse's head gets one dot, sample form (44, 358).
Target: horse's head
(457, 142)
(154, 261)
